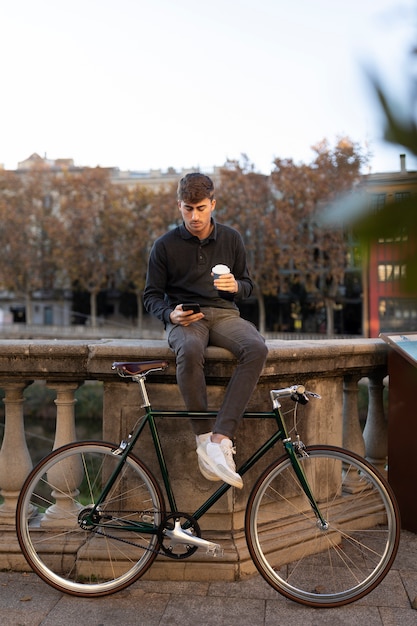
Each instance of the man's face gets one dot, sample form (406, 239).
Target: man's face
(197, 217)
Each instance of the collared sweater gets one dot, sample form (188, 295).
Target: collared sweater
(179, 270)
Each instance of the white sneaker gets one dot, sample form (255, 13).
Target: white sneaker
(203, 467)
(219, 457)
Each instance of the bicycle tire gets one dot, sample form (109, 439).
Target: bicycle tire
(84, 562)
(316, 567)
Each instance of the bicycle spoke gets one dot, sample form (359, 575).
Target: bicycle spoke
(106, 555)
(312, 565)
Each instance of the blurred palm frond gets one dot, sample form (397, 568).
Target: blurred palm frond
(399, 222)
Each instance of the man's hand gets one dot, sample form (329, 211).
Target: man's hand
(184, 318)
(226, 282)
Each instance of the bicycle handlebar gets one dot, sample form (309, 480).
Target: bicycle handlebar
(297, 393)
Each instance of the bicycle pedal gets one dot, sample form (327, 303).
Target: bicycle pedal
(215, 550)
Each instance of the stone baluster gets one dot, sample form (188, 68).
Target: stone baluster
(352, 433)
(376, 429)
(65, 415)
(15, 460)
(68, 476)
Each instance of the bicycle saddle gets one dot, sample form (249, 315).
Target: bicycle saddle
(136, 368)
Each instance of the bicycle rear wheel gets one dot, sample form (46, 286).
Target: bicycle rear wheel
(56, 536)
(312, 566)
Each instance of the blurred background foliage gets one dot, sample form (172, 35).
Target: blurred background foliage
(400, 129)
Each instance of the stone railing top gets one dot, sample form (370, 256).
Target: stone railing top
(82, 360)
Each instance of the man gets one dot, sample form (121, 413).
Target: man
(179, 272)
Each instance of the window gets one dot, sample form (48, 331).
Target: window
(378, 200)
(401, 235)
(397, 314)
(401, 195)
(389, 272)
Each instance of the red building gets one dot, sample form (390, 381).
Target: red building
(387, 306)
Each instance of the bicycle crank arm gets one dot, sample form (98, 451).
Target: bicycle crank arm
(179, 535)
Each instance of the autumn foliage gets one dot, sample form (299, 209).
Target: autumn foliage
(78, 230)
(289, 249)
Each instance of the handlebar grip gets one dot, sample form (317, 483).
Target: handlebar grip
(299, 397)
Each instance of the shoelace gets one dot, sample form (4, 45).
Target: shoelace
(229, 452)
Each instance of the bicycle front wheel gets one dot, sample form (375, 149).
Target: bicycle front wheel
(309, 564)
(66, 547)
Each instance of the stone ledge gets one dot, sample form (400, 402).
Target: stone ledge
(83, 360)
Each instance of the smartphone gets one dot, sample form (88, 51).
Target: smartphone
(191, 306)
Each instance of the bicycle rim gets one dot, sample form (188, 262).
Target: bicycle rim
(97, 560)
(312, 566)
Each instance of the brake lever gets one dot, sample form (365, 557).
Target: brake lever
(301, 398)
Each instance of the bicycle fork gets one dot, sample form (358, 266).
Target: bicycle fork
(293, 449)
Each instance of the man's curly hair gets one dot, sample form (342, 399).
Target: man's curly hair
(194, 187)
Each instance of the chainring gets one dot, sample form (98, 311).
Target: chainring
(178, 549)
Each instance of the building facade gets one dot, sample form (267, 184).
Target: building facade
(388, 307)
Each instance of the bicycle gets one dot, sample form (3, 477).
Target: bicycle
(321, 524)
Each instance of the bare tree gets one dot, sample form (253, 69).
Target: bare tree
(245, 201)
(30, 234)
(91, 212)
(289, 252)
(318, 254)
(148, 216)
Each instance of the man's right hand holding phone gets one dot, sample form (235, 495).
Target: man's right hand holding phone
(185, 314)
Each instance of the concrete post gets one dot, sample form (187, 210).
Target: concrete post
(15, 461)
(376, 428)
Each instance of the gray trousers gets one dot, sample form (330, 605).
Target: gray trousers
(226, 329)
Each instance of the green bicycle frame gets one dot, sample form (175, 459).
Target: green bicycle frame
(149, 418)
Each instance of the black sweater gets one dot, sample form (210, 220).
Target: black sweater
(179, 270)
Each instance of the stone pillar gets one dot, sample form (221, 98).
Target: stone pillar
(65, 415)
(122, 409)
(15, 461)
(65, 507)
(376, 428)
(352, 433)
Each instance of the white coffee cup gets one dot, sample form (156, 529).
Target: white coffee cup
(220, 270)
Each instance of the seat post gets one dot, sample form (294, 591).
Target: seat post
(141, 380)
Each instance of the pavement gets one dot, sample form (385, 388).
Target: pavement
(25, 600)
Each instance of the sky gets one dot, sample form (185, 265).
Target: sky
(155, 84)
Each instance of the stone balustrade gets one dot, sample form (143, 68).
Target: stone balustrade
(332, 368)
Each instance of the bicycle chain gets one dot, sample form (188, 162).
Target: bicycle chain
(131, 543)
